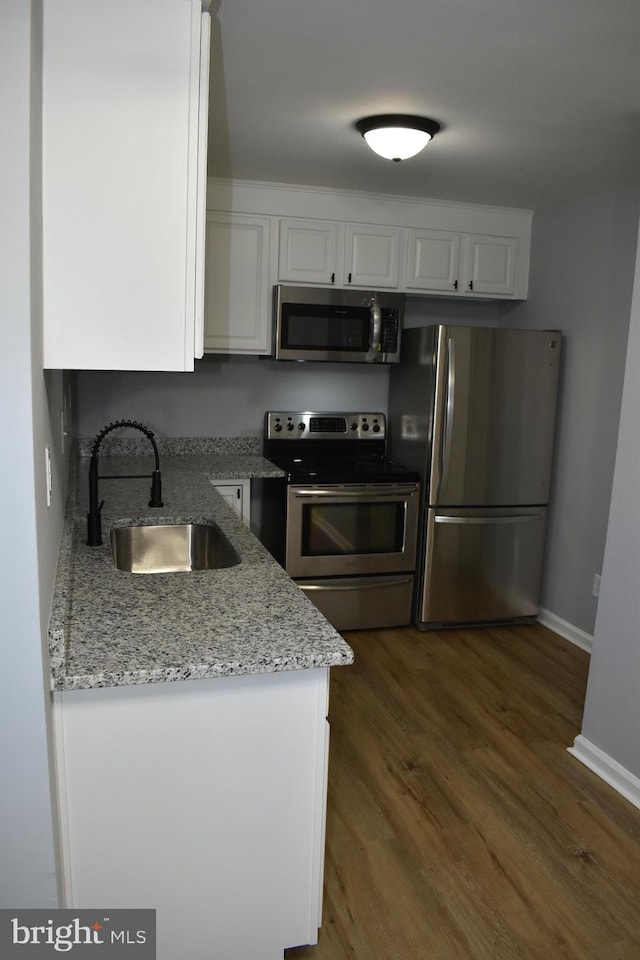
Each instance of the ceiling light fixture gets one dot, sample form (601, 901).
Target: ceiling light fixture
(397, 136)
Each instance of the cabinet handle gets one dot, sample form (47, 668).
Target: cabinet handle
(349, 279)
(455, 284)
(470, 284)
(333, 278)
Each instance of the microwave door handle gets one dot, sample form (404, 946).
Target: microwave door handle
(375, 334)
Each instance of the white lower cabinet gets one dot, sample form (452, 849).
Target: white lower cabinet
(237, 493)
(202, 799)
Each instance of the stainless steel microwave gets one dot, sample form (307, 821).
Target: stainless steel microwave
(353, 326)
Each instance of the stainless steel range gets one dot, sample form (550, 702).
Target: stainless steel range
(345, 524)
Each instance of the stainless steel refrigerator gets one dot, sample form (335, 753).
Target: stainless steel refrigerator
(473, 409)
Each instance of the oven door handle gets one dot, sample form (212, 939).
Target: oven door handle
(374, 492)
(379, 582)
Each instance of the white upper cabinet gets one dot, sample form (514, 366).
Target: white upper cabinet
(308, 251)
(447, 262)
(489, 265)
(238, 284)
(372, 256)
(433, 260)
(125, 96)
(321, 238)
(472, 265)
(343, 254)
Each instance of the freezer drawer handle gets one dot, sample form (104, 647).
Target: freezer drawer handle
(523, 518)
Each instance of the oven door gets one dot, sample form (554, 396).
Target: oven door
(351, 529)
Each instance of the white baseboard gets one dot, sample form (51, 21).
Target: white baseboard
(565, 629)
(608, 769)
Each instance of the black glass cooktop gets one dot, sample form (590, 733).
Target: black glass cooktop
(329, 466)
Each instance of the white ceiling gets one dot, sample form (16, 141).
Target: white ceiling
(539, 100)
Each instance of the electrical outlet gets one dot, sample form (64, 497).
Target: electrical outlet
(47, 466)
(596, 584)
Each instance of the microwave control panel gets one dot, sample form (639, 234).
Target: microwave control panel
(389, 334)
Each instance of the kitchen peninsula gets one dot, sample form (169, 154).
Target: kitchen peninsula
(190, 720)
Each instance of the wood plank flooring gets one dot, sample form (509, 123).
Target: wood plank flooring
(459, 828)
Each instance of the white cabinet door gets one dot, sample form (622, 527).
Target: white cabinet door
(203, 799)
(372, 256)
(324, 252)
(308, 252)
(471, 265)
(489, 265)
(433, 260)
(237, 287)
(237, 493)
(124, 103)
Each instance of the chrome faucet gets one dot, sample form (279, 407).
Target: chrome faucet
(94, 526)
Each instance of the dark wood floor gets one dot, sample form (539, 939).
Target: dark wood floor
(459, 828)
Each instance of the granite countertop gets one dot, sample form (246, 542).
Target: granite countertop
(112, 628)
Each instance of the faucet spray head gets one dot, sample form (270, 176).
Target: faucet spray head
(156, 490)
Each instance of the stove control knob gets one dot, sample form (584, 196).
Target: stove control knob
(365, 426)
(278, 427)
(301, 427)
(289, 425)
(376, 428)
(354, 426)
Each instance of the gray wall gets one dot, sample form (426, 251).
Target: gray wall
(32, 407)
(226, 396)
(582, 264)
(612, 708)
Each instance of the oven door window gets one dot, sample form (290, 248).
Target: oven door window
(343, 529)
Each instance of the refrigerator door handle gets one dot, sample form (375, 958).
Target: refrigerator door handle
(449, 409)
(522, 518)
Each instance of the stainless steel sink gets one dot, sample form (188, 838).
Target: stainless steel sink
(171, 548)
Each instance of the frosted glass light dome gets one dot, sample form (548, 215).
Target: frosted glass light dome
(397, 136)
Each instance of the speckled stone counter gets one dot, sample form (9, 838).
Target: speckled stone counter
(112, 628)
